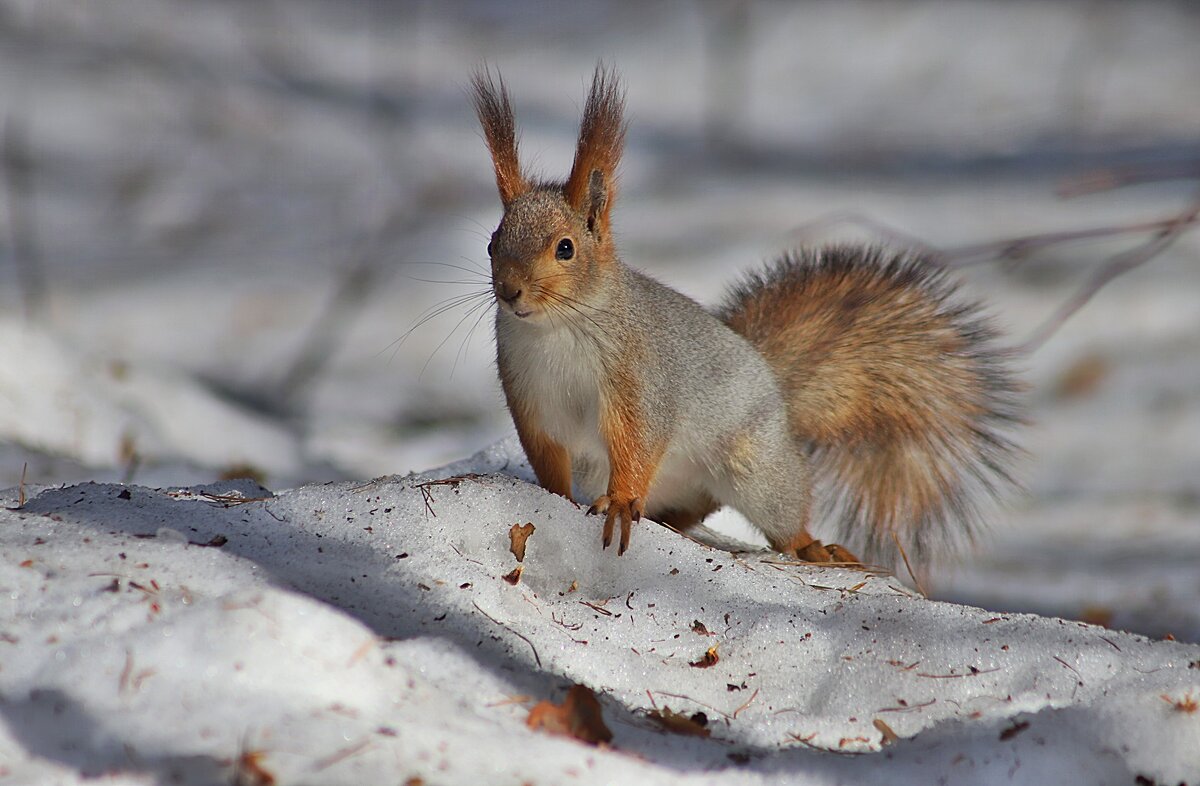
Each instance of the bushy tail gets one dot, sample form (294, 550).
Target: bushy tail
(894, 383)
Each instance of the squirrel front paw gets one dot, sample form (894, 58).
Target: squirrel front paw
(627, 510)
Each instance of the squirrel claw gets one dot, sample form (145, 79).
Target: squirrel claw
(614, 510)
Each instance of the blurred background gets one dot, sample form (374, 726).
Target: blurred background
(220, 222)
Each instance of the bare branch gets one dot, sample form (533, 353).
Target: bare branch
(1165, 232)
(1113, 267)
(1117, 177)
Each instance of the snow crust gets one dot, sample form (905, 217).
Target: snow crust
(364, 633)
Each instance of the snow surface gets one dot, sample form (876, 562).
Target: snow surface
(363, 633)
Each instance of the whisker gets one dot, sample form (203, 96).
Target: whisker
(432, 312)
(462, 347)
(483, 229)
(438, 281)
(443, 305)
(573, 301)
(475, 270)
(449, 335)
(570, 304)
(485, 270)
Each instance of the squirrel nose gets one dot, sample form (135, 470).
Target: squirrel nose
(507, 292)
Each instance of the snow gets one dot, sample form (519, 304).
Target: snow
(362, 632)
(206, 177)
(58, 400)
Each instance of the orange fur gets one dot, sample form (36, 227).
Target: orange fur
(798, 542)
(898, 404)
(893, 382)
(601, 138)
(500, 130)
(550, 460)
(855, 349)
(632, 462)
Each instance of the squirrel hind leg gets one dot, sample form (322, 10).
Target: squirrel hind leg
(771, 487)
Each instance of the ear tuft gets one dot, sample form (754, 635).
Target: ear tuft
(592, 184)
(500, 131)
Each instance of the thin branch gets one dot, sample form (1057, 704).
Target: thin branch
(537, 658)
(747, 703)
(1020, 248)
(1113, 267)
(908, 565)
(1165, 232)
(1118, 177)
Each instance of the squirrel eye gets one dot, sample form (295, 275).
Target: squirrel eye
(565, 250)
(489, 248)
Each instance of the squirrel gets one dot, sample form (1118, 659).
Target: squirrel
(848, 381)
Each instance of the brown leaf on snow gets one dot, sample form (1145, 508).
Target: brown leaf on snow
(698, 628)
(695, 725)
(514, 576)
(518, 534)
(710, 659)
(579, 716)
(889, 737)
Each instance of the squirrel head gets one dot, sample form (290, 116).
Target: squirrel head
(554, 243)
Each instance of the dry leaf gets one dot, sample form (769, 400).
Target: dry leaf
(518, 534)
(698, 627)
(695, 725)
(889, 737)
(514, 576)
(579, 716)
(710, 659)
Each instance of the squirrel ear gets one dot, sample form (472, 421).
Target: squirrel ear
(500, 130)
(597, 200)
(592, 183)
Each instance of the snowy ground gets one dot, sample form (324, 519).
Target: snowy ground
(206, 178)
(365, 633)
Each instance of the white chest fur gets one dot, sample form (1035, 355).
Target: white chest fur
(557, 371)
